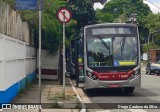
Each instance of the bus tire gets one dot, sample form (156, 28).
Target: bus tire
(129, 90)
(86, 91)
(158, 74)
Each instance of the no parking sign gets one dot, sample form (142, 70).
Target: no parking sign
(64, 15)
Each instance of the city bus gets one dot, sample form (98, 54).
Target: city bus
(108, 56)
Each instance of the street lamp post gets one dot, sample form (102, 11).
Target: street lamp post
(152, 34)
(133, 18)
(40, 46)
(149, 38)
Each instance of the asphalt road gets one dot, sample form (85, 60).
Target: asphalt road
(149, 92)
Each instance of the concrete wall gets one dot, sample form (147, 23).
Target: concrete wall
(17, 63)
(17, 58)
(49, 65)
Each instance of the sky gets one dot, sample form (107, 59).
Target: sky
(153, 8)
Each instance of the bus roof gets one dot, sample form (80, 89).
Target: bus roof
(111, 24)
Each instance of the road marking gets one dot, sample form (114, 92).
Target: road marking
(137, 110)
(82, 104)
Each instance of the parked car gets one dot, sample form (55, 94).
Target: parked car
(153, 68)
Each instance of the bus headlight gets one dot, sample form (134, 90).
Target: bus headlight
(135, 74)
(91, 76)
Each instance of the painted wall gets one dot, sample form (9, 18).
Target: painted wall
(17, 64)
(49, 65)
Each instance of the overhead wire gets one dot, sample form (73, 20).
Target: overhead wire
(152, 4)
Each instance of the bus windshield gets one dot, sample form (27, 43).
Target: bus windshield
(112, 51)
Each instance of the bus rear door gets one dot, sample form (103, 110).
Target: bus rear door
(80, 78)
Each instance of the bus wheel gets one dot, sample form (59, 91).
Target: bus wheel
(86, 91)
(129, 89)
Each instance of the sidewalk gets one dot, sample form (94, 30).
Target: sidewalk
(51, 98)
(143, 67)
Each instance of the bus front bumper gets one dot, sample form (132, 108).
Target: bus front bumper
(135, 82)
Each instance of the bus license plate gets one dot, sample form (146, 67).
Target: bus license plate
(113, 85)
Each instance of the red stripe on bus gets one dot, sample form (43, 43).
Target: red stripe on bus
(114, 75)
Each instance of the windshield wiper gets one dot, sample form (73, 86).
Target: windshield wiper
(104, 43)
(123, 43)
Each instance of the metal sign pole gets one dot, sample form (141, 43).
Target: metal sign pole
(64, 59)
(64, 16)
(40, 23)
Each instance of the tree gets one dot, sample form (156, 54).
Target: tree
(120, 11)
(83, 12)
(71, 31)
(152, 22)
(103, 17)
(127, 7)
(51, 27)
(157, 40)
(121, 18)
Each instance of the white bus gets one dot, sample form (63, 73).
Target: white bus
(108, 56)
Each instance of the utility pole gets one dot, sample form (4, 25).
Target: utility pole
(39, 53)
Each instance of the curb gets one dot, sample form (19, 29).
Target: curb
(82, 104)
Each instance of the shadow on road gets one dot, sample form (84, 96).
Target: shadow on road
(106, 92)
(116, 92)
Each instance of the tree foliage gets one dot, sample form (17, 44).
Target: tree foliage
(152, 22)
(152, 45)
(51, 28)
(82, 15)
(120, 11)
(115, 8)
(83, 12)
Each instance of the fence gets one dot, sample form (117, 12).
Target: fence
(12, 25)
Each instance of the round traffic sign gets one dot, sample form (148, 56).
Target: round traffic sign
(64, 15)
